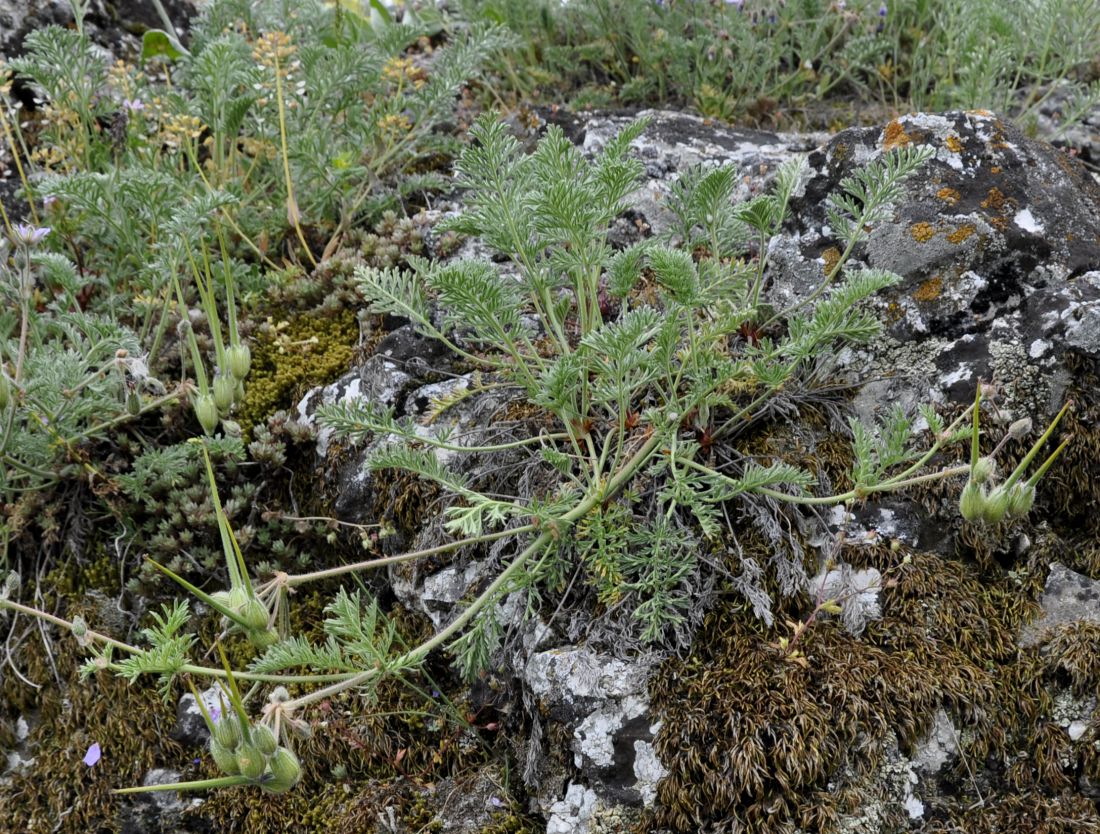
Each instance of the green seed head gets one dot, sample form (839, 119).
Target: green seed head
(251, 761)
(264, 739)
(207, 412)
(283, 771)
(224, 758)
(239, 360)
(972, 502)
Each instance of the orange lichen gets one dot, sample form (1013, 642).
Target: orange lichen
(894, 136)
(954, 144)
(949, 195)
(995, 200)
(922, 232)
(831, 256)
(996, 169)
(930, 290)
(962, 233)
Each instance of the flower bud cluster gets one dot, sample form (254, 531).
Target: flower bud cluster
(253, 613)
(979, 503)
(214, 403)
(255, 753)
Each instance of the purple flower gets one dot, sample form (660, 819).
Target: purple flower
(882, 10)
(48, 201)
(93, 755)
(29, 235)
(134, 105)
(496, 802)
(215, 713)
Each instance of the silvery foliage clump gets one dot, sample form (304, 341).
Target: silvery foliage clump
(67, 376)
(641, 360)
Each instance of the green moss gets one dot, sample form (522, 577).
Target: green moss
(288, 357)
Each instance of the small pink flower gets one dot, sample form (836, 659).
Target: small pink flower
(29, 235)
(93, 755)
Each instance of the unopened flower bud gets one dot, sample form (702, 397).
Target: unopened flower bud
(254, 614)
(262, 638)
(238, 598)
(250, 761)
(133, 403)
(207, 412)
(284, 771)
(224, 758)
(996, 505)
(1020, 500)
(971, 502)
(983, 470)
(224, 387)
(239, 360)
(79, 628)
(228, 732)
(5, 392)
(1020, 429)
(264, 739)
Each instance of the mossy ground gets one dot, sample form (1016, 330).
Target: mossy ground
(57, 792)
(755, 740)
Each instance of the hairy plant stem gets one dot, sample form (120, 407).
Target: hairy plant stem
(291, 201)
(294, 580)
(207, 671)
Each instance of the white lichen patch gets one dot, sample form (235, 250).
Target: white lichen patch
(1026, 221)
(574, 812)
(1038, 348)
(648, 769)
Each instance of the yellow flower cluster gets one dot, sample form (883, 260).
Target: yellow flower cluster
(394, 124)
(404, 70)
(124, 78)
(272, 49)
(179, 128)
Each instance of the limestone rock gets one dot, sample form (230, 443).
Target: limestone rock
(997, 240)
(601, 703)
(1068, 597)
